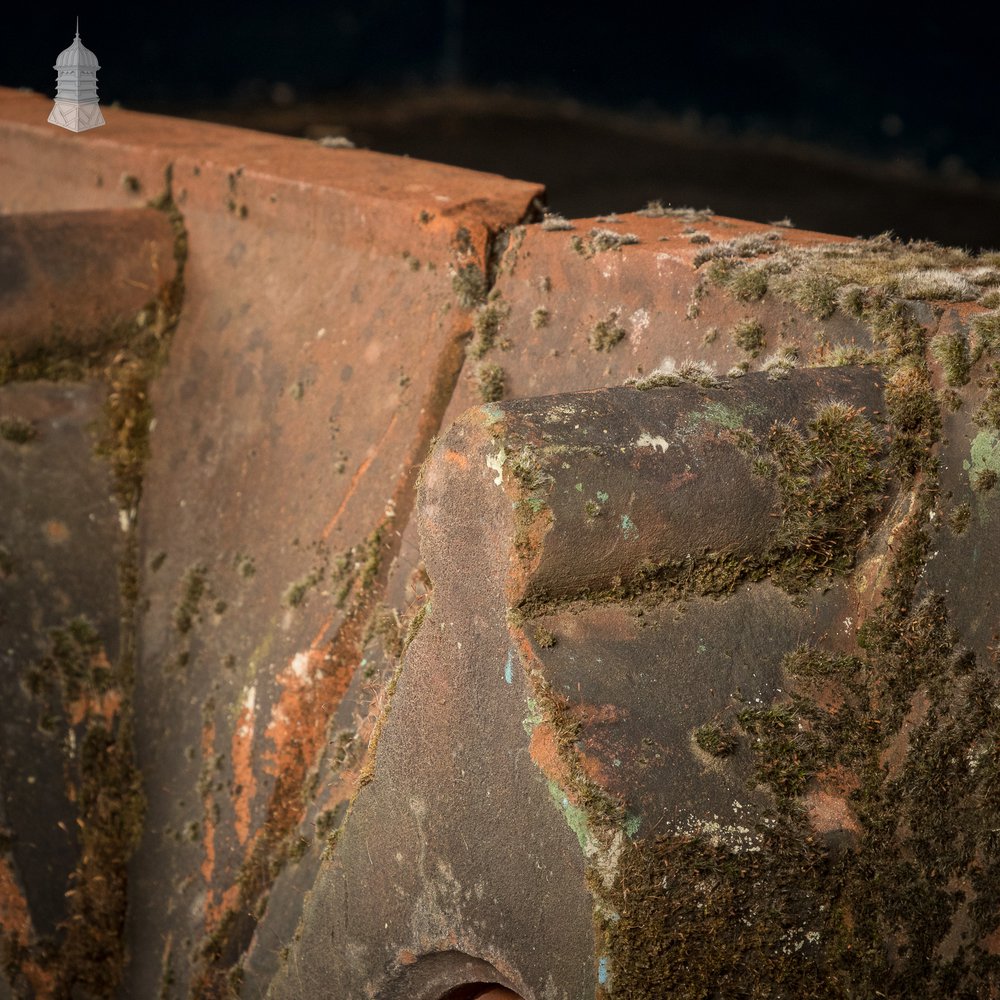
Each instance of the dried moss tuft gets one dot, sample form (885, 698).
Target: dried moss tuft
(985, 481)
(831, 484)
(486, 325)
(491, 382)
(17, 431)
(749, 335)
(657, 210)
(469, 285)
(540, 318)
(952, 351)
(606, 333)
(915, 417)
(714, 740)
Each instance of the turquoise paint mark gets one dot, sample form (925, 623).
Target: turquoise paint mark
(575, 817)
(579, 487)
(508, 670)
(603, 497)
(493, 412)
(629, 530)
(701, 647)
(536, 504)
(632, 824)
(602, 971)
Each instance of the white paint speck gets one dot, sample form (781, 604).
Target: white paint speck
(300, 665)
(647, 440)
(248, 707)
(495, 462)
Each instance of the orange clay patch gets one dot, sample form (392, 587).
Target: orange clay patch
(594, 769)
(545, 753)
(208, 826)
(105, 705)
(243, 773)
(828, 813)
(15, 922)
(14, 918)
(56, 531)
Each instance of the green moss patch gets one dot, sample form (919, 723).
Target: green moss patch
(831, 483)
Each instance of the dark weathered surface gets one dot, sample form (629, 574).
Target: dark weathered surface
(60, 542)
(474, 832)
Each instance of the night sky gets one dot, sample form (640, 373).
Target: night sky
(919, 87)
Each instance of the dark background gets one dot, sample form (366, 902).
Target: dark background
(747, 107)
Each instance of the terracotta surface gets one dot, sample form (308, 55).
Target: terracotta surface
(71, 276)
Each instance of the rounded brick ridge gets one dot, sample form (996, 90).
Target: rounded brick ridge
(593, 487)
